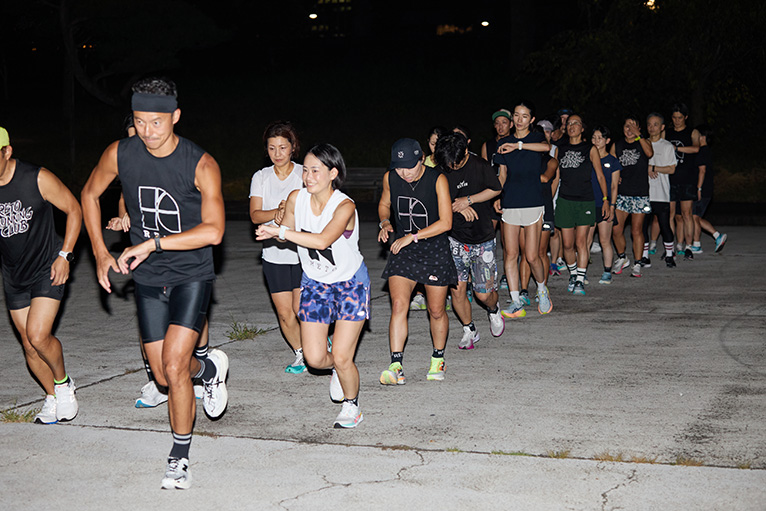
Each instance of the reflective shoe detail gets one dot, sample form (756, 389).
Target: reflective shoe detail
(645, 262)
(418, 303)
(496, 323)
(544, 300)
(150, 396)
(436, 372)
(620, 264)
(516, 310)
(336, 391)
(298, 366)
(216, 396)
(720, 241)
(47, 414)
(670, 262)
(177, 475)
(579, 289)
(636, 272)
(394, 375)
(349, 417)
(688, 255)
(66, 402)
(570, 285)
(606, 278)
(524, 298)
(469, 338)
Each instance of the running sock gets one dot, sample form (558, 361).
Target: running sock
(607, 269)
(397, 356)
(181, 444)
(497, 308)
(471, 326)
(668, 249)
(354, 401)
(62, 382)
(148, 369)
(645, 253)
(697, 244)
(716, 235)
(621, 255)
(207, 370)
(581, 274)
(540, 285)
(572, 268)
(200, 352)
(514, 296)
(438, 353)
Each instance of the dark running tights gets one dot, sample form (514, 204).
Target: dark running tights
(662, 211)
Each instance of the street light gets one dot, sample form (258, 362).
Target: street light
(313, 16)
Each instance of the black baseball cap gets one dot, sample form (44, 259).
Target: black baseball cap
(405, 154)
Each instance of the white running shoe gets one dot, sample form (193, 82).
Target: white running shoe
(177, 474)
(66, 402)
(336, 390)
(595, 248)
(469, 338)
(349, 417)
(150, 396)
(47, 414)
(496, 323)
(418, 303)
(216, 396)
(620, 264)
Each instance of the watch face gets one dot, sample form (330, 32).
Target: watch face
(70, 257)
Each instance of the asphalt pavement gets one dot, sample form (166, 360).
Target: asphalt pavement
(644, 394)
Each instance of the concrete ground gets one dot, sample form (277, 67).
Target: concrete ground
(663, 372)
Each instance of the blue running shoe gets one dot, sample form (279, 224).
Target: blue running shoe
(524, 297)
(720, 241)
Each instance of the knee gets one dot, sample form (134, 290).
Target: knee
(176, 372)
(37, 338)
(399, 306)
(343, 361)
(437, 312)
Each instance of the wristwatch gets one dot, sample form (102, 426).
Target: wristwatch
(67, 255)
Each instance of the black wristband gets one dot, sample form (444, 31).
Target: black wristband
(157, 247)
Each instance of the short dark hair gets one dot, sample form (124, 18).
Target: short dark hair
(631, 117)
(656, 114)
(705, 130)
(680, 107)
(282, 129)
(439, 131)
(601, 128)
(450, 149)
(155, 85)
(526, 104)
(462, 129)
(331, 158)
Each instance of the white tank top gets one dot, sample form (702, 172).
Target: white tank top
(341, 260)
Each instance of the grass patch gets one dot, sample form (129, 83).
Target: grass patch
(454, 449)
(745, 465)
(559, 454)
(242, 331)
(606, 456)
(205, 433)
(514, 453)
(643, 459)
(688, 462)
(12, 414)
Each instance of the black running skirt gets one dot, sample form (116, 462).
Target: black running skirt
(428, 262)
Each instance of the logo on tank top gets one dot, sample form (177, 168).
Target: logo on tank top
(572, 160)
(14, 219)
(159, 210)
(326, 254)
(629, 157)
(413, 214)
(679, 155)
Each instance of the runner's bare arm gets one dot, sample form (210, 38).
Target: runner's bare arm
(384, 211)
(54, 191)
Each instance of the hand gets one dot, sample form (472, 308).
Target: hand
(114, 224)
(606, 211)
(266, 232)
(103, 263)
(507, 148)
(498, 208)
(138, 254)
(633, 130)
(383, 234)
(59, 271)
(280, 214)
(460, 204)
(469, 214)
(653, 174)
(401, 243)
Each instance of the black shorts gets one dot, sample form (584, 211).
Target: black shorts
(700, 206)
(683, 193)
(428, 262)
(21, 297)
(282, 277)
(183, 305)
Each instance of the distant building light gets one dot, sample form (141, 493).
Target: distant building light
(34, 49)
(313, 16)
(485, 23)
(651, 4)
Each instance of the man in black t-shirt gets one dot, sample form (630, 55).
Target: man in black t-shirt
(473, 186)
(704, 163)
(35, 266)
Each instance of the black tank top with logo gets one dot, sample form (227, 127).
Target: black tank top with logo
(28, 240)
(161, 199)
(414, 206)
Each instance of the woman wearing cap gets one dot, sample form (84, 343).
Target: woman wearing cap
(335, 287)
(269, 189)
(416, 207)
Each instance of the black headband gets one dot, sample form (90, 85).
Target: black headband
(153, 103)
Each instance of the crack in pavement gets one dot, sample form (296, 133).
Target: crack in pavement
(605, 496)
(284, 504)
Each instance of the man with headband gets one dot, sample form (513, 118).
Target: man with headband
(35, 266)
(172, 192)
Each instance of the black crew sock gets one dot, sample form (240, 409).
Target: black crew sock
(200, 352)
(471, 326)
(607, 269)
(438, 353)
(207, 370)
(181, 444)
(621, 255)
(148, 368)
(491, 311)
(354, 401)
(397, 356)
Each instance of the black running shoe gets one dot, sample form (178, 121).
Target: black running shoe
(670, 261)
(688, 256)
(645, 262)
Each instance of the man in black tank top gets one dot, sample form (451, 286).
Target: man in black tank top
(35, 266)
(683, 183)
(172, 192)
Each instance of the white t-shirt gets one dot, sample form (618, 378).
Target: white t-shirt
(664, 156)
(272, 190)
(341, 260)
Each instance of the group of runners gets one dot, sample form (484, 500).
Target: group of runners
(439, 212)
